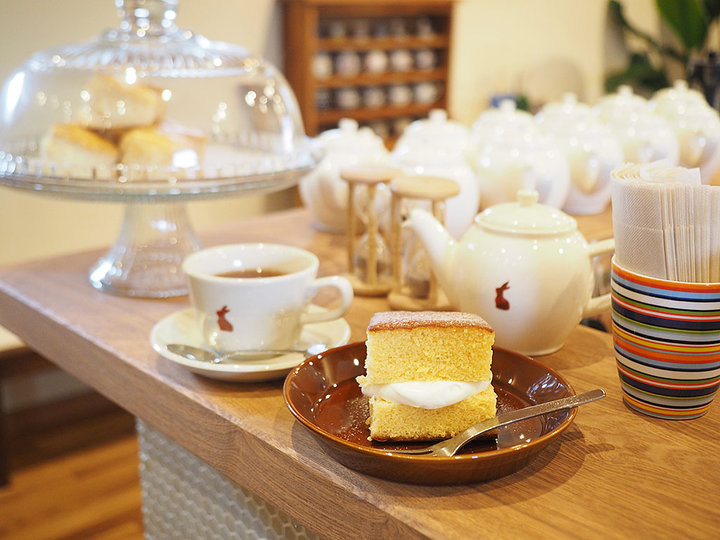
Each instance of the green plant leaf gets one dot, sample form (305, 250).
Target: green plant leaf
(615, 12)
(712, 10)
(687, 19)
(640, 73)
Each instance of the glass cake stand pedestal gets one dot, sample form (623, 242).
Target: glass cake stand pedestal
(156, 234)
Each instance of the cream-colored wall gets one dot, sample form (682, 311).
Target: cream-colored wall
(539, 48)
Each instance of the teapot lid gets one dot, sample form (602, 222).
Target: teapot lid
(433, 140)
(622, 105)
(567, 115)
(526, 216)
(438, 128)
(505, 122)
(350, 137)
(677, 99)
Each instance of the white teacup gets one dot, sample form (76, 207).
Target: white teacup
(256, 296)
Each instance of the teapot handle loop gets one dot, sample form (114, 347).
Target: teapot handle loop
(599, 304)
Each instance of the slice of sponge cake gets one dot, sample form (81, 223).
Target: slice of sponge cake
(428, 374)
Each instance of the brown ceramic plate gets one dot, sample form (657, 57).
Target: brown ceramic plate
(323, 395)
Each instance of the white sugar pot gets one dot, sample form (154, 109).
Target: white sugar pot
(510, 152)
(523, 266)
(696, 125)
(591, 150)
(322, 190)
(644, 136)
(437, 146)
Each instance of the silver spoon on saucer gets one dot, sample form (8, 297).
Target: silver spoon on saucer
(206, 355)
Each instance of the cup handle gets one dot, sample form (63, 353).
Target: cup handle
(345, 289)
(599, 304)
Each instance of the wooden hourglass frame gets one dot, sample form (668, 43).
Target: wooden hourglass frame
(371, 177)
(427, 188)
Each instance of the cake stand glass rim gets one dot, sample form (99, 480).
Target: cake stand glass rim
(145, 191)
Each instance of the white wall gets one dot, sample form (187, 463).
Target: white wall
(539, 48)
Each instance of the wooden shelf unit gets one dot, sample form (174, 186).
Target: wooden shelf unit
(304, 21)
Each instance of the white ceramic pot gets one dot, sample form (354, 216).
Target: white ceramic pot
(505, 122)
(375, 61)
(425, 59)
(348, 63)
(401, 60)
(696, 126)
(524, 267)
(510, 152)
(373, 96)
(400, 94)
(347, 98)
(322, 65)
(322, 190)
(426, 92)
(437, 146)
(590, 148)
(424, 27)
(504, 167)
(643, 135)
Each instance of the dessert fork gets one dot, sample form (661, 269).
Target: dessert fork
(449, 447)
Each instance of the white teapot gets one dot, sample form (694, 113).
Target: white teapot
(524, 267)
(322, 190)
(437, 146)
(510, 153)
(504, 122)
(696, 125)
(591, 150)
(643, 135)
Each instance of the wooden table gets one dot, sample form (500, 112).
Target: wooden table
(613, 473)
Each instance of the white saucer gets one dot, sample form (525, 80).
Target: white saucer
(181, 327)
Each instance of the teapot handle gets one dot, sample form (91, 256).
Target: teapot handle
(695, 148)
(585, 171)
(599, 304)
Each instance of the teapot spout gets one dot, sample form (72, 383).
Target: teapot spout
(438, 243)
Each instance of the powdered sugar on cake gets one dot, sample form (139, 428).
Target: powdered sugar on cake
(390, 320)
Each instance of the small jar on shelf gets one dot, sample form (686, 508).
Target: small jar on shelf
(348, 63)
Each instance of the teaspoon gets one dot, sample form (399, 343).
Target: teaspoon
(206, 355)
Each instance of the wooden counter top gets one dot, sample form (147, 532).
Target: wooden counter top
(613, 473)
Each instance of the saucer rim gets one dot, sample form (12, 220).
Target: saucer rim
(274, 364)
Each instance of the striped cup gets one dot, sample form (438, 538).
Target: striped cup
(667, 343)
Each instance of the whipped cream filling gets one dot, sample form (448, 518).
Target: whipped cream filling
(425, 394)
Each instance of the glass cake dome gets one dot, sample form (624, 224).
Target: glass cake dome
(151, 115)
(148, 103)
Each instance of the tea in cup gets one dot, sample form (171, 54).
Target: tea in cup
(257, 296)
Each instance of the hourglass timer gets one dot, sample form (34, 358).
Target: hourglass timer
(369, 264)
(415, 287)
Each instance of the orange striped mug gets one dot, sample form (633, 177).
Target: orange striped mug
(666, 336)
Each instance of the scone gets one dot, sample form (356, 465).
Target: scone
(115, 105)
(166, 146)
(77, 151)
(428, 374)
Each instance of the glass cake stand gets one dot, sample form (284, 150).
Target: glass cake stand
(156, 234)
(152, 116)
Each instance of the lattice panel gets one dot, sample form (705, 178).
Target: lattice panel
(185, 498)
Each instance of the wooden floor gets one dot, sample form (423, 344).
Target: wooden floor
(73, 479)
